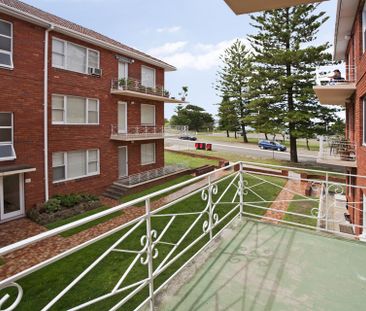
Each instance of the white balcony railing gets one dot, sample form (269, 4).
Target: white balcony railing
(136, 260)
(131, 84)
(141, 132)
(333, 149)
(326, 77)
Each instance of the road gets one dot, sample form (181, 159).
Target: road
(249, 150)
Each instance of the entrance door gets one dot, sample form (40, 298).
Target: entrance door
(11, 196)
(123, 161)
(122, 117)
(122, 72)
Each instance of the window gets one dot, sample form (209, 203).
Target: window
(7, 151)
(148, 77)
(364, 122)
(147, 154)
(75, 164)
(67, 55)
(364, 29)
(6, 44)
(74, 110)
(147, 114)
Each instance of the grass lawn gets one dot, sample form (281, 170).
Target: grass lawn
(155, 189)
(174, 158)
(43, 285)
(302, 208)
(301, 144)
(235, 157)
(73, 231)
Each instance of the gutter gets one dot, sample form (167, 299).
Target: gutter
(45, 107)
(338, 14)
(72, 33)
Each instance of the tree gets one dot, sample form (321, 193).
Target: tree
(228, 119)
(338, 128)
(233, 81)
(195, 117)
(285, 62)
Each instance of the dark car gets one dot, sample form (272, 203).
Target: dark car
(187, 137)
(271, 145)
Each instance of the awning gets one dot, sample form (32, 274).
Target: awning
(16, 169)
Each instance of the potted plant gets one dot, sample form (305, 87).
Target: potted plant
(184, 93)
(166, 93)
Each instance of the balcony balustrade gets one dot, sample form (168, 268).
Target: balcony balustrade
(141, 132)
(134, 88)
(337, 151)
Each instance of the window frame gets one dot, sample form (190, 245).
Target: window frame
(154, 152)
(11, 143)
(148, 124)
(65, 67)
(65, 104)
(363, 27)
(154, 82)
(65, 165)
(11, 53)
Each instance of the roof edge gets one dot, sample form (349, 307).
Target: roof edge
(78, 35)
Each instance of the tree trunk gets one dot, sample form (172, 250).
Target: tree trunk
(266, 136)
(227, 133)
(307, 144)
(245, 138)
(236, 135)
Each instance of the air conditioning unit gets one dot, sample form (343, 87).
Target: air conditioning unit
(95, 71)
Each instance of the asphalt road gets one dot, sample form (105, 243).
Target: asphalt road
(250, 150)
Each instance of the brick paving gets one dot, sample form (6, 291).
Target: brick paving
(29, 256)
(292, 187)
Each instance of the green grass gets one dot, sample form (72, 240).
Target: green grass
(301, 144)
(88, 225)
(155, 189)
(302, 208)
(43, 285)
(192, 162)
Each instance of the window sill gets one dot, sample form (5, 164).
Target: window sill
(144, 164)
(76, 124)
(11, 68)
(75, 179)
(8, 159)
(83, 74)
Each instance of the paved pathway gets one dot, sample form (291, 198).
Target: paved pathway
(29, 256)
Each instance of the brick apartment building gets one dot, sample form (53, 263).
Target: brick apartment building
(104, 116)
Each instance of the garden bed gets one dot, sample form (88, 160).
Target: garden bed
(61, 207)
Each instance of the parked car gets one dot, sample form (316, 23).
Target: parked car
(187, 137)
(271, 145)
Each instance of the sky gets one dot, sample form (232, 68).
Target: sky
(189, 34)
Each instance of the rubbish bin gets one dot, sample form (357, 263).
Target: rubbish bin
(209, 147)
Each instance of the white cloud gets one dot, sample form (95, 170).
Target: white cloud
(168, 48)
(169, 29)
(199, 56)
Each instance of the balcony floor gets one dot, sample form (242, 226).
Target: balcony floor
(260, 266)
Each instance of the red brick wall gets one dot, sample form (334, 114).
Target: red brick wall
(22, 94)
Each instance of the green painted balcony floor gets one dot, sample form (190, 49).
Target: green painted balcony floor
(259, 266)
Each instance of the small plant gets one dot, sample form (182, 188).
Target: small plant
(52, 205)
(166, 93)
(184, 93)
(69, 200)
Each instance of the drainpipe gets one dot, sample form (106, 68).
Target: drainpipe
(45, 107)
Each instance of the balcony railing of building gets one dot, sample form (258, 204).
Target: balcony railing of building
(338, 151)
(142, 256)
(141, 132)
(134, 87)
(336, 90)
(150, 175)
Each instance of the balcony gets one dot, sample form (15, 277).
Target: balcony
(237, 240)
(140, 132)
(336, 92)
(249, 6)
(337, 151)
(133, 88)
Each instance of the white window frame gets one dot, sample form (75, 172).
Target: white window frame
(364, 121)
(364, 29)
(9, 143)
(65, 165)
(11, 66)
(154, 82)
(148, 124)
(154, 160)
(65, 67)
(65, 105)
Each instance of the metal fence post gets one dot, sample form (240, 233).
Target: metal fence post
(210, 211)
(326, 200)
(150, 266)
(241, 189)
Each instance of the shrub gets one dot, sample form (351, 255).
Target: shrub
(52, 205)
(69, 200)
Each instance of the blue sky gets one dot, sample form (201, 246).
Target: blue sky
(189, 34)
